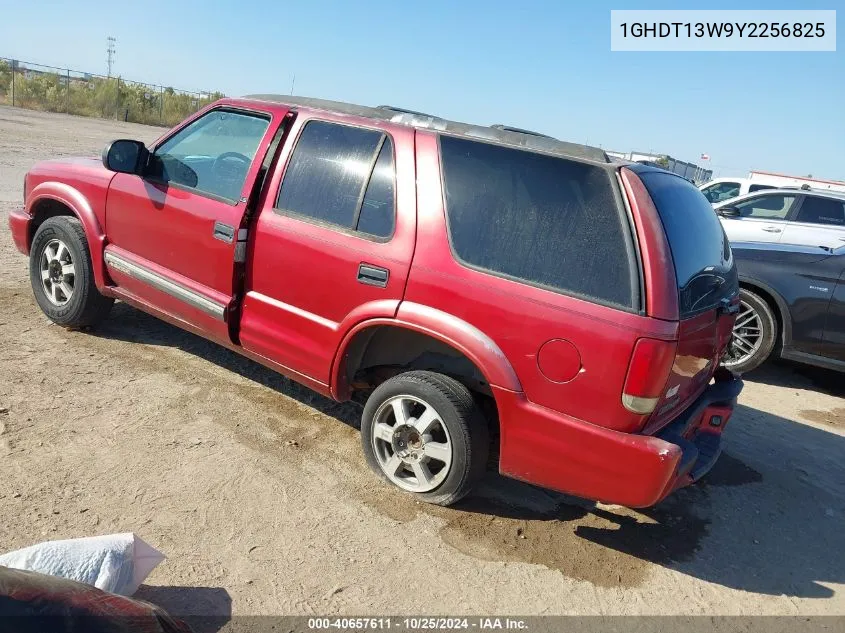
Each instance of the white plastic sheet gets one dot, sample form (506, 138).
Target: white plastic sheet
(117, 563)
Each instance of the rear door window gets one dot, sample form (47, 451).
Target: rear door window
(341, 175)
(700, 249)
(540, 219)
(753, 188)
(376, 214)
(822, 211)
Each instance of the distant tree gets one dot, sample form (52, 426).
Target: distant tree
(101, 97)
(5, 77)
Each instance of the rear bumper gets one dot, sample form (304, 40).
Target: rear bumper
(19, 221)
(546, 448)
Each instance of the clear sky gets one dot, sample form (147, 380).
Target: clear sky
(546, 66)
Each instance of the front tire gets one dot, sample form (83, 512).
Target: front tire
(754, 334)
(62, 276)
(423, 432)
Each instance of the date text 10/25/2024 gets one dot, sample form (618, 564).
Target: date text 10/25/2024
(417, 623)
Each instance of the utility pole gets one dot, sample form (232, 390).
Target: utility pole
(292, 83)
(110, 50)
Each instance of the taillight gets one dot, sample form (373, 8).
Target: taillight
(648, 372)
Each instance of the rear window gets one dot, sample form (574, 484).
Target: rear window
(700, 249)
(539, 219)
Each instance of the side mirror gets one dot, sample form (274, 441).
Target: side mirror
(125, 156)
(728, 212)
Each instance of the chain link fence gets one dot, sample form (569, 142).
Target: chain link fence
(50, 89)
(690, 171)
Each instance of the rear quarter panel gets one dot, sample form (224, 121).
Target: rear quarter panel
(591, 344)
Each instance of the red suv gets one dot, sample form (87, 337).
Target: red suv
(489, 295)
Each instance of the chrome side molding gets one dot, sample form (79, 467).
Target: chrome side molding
(175, 290)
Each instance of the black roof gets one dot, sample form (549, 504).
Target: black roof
(507, 136)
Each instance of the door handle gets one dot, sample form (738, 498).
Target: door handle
(373, 275)
(772, 229)
(224, 232)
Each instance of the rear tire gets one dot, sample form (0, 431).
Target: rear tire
(424, 433)
(754, 334)
(62, 276)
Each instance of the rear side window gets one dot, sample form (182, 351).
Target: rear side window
(703, 261)
(822, 211)
(341, 175)
(753, 188)
(544, 220)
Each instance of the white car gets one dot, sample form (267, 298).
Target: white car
(790, 216)
(722, 189)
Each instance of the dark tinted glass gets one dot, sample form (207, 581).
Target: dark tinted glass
(538, 218)
(703, 263)
(822, 211)
(753, 188)
(327, 172)
(377, 210)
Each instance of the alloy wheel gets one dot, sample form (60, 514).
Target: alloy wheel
(411, 443)
(747, 336)
(58, 273)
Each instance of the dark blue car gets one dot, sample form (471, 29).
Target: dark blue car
(793, 305)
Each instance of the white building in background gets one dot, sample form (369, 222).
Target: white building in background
(782, 180)
(690, 171)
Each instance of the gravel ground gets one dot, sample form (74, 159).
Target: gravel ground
(256, 490)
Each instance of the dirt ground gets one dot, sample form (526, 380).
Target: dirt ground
(257, 492)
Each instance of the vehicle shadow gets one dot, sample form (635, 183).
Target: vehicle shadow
(204, 609)
(767, 519)
(129, 324)
(785, 373)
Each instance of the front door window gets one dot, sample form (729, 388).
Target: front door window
(721, 191)
(211, 155)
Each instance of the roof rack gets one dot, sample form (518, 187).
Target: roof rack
(404, 111)
(519, 130)
(519, 139)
